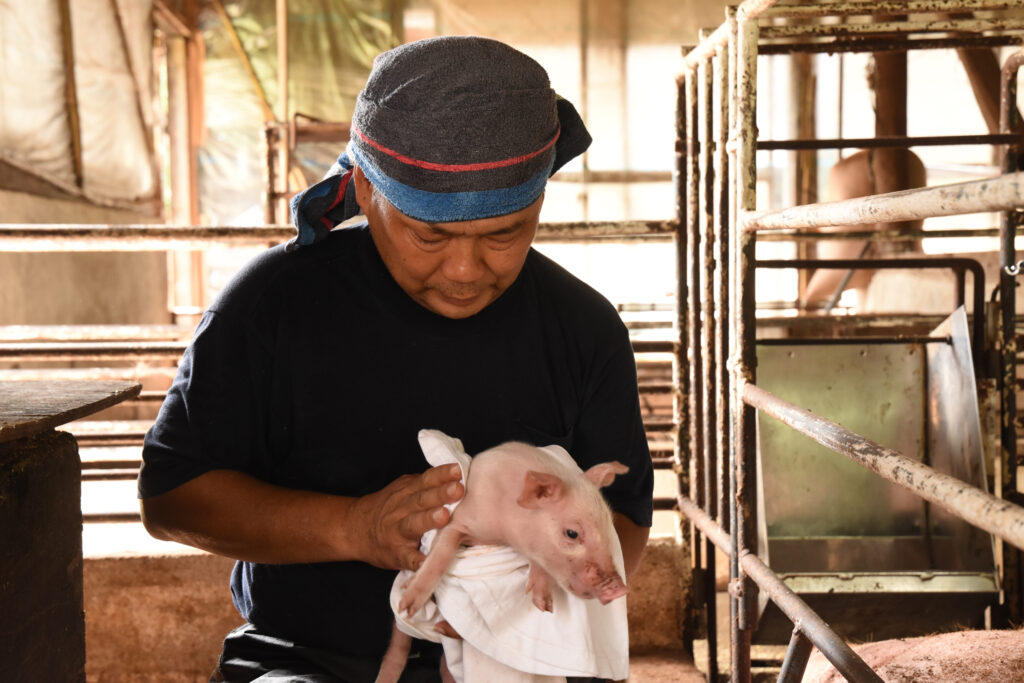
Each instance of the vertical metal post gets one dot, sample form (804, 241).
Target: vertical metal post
(1013, 579)
(739, 639)
(721, 284)
(681, 378)
(705, 320)
(746, 354)
(693, 220)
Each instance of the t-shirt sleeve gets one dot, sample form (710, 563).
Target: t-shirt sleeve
(211, 418)
(610, 427)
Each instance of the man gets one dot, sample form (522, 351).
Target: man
(288, 439)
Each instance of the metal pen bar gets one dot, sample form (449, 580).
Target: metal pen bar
(693, 220)
(881, 7)
(745, 343)
(94, 351)
(739, 640)
(721, 294)
(72, 237)
(1001, 193)
(894, 27)
(816, 234)
(680, 373)
(842, 45)
(851, 341)
(797, 654)
(998, 517)
(704, 266)
(720, 37)
(835, 650)
(890, 141)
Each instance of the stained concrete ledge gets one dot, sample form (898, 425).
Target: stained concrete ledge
(157, 612)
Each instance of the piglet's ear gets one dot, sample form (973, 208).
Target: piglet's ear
(540, 488)
(604, 474)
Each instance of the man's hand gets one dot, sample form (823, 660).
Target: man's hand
(394, 518)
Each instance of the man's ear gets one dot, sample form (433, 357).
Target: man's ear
(364, 190)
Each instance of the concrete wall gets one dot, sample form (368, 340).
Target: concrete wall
(64, 287)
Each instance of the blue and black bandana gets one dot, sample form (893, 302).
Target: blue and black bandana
(448, 129)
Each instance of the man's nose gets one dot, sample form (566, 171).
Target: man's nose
(464, 261)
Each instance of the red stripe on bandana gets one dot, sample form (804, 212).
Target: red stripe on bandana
(454, 168)
(342, 185)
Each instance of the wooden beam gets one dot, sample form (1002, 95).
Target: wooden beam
(170, 21)
(70, 90)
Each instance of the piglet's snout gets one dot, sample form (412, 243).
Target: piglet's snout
(607, 586)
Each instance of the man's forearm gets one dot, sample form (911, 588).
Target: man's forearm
(633, 539)
(234, 514)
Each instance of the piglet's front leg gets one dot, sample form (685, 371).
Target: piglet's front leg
(538, 584)
(421, 586)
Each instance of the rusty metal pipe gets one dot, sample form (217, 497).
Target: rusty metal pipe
(880, 7)
(92, 351)
(891, 28)
(747, 10)
(846, 661)
(703, 265)
(797, 654)
(1002, 193)
(816, 235)
(692, 273)
(889, 141)
(996, 516)
(859, 44)
(745, 352)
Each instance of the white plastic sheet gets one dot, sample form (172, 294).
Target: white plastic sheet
(35, 131)
(34, 128)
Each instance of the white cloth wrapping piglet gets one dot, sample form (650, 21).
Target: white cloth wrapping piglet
(505, 637)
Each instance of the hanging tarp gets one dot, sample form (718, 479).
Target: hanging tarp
(34, 126)
(89, 134)
(331, 46)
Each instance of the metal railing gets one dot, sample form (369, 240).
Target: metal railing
(717, 398)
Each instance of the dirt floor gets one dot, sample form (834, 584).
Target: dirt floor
(961, 657)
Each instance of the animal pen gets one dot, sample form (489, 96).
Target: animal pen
(732, 390)
(719, 394)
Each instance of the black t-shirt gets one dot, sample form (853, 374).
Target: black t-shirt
(314, 370)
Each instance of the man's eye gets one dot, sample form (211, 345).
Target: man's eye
(427, 239)
(572, 533)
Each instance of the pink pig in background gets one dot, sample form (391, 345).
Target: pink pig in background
(539, 503)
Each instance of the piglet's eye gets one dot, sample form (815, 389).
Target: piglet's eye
(572, 533)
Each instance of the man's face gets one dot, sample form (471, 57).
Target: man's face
(453, 269)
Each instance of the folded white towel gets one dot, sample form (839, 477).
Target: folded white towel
(505, 638)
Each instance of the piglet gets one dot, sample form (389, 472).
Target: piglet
(536, 501)
(553, 514)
